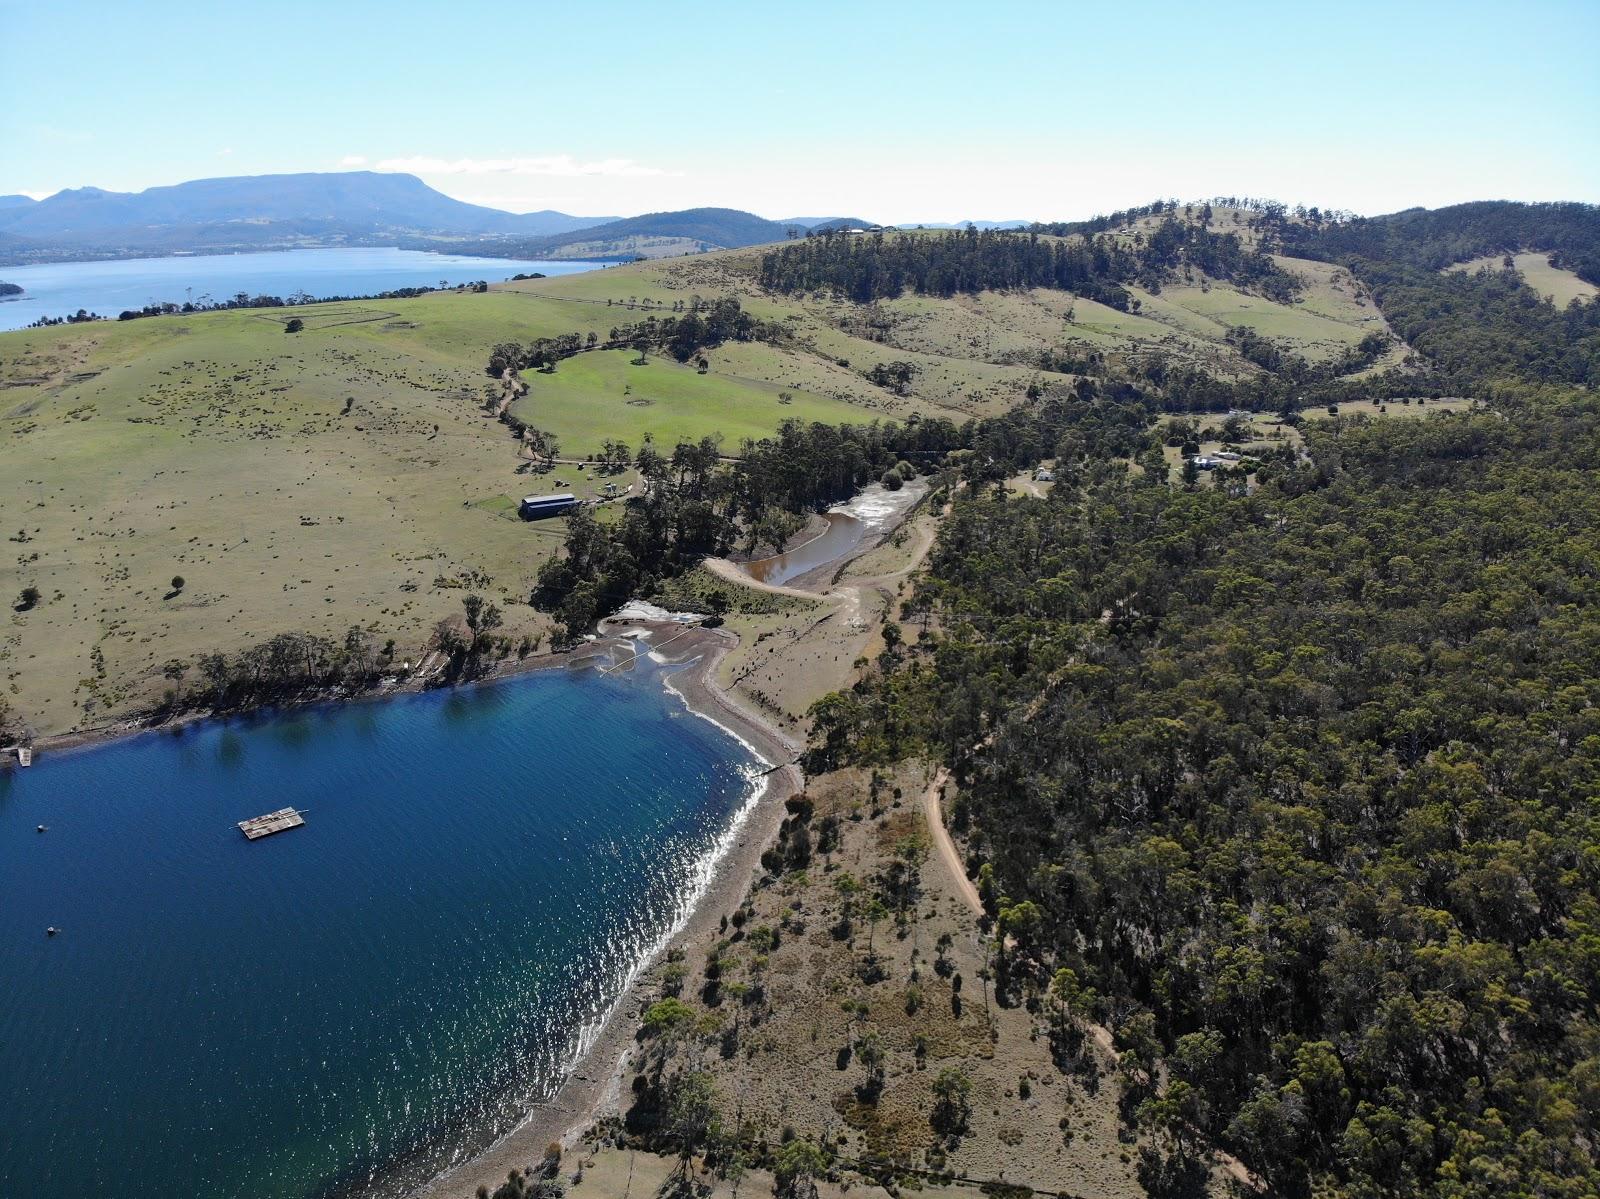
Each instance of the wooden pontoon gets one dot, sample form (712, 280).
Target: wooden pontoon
(272, 822)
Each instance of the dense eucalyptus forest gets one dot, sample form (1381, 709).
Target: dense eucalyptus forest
(1299, 785)
(1294, 784)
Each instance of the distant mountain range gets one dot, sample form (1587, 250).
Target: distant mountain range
(258, 212)
(261, 212)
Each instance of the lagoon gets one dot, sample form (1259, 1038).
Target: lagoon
(58, 288)
(353, 1004)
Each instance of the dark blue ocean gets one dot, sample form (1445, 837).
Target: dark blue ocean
(389, 986)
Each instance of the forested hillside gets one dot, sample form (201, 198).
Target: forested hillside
(1471, 326)
(1468, 326)
(1292, 781)
(1288, 775)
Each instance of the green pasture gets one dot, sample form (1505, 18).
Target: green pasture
(603, 394)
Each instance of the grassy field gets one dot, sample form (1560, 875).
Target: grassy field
(344, 475)
(1557, 285)
(349, 474)
(974, 354)
(305, 483)
(605, 394)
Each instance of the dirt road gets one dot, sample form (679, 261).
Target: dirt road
(945, 848)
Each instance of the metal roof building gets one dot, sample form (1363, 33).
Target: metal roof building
(535, 506)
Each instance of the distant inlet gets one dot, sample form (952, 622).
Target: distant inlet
(873, 512)
(55, 289)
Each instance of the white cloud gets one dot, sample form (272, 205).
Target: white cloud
(225, 151)
(559, 165)
(353, 160)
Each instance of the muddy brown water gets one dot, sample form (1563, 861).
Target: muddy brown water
(843, 534)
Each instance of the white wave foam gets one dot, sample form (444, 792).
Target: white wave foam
(641, 610)
(759, 779)
(878, 508)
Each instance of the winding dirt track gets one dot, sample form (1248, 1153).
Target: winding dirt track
(944, 847)
(731, 572)
(850, 597)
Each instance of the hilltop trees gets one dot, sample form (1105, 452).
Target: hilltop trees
(1470, 326)
(867, 268)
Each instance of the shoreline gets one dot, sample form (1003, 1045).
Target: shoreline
(812, 580)
(592, 1089)
(593, 1083)
(131, 727)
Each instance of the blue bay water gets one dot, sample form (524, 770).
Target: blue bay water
(58, 288)
(393, 984)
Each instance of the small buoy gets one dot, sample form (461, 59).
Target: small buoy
(51, 931)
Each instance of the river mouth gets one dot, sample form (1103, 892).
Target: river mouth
(352, 1005)
(873, 512)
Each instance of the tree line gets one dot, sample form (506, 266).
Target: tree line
(871, 267)
(704, 325)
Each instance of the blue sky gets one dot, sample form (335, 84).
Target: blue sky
(894, 112)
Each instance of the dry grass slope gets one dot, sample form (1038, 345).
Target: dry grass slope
(349, 474)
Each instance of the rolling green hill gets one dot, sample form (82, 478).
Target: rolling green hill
(355, 471)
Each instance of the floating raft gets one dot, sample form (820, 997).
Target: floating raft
(272, 822)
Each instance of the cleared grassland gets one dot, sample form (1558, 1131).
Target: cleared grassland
(606, 394)
(350, 474)
(975, 354)
(345, 475)
(221, 450)
(1559, 286)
